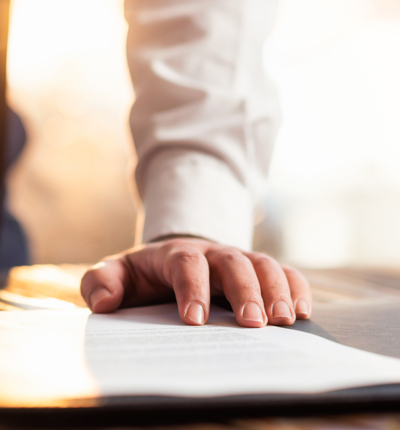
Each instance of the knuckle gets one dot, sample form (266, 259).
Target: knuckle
(172, 246)
(186, 256)
(262, 261)
(278, 291)
(231, 256)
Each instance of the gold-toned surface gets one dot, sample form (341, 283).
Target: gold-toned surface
(61, 282)
(346, 285)
(53, 285)
(4, 306)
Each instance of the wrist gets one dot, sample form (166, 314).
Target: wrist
(176, 236)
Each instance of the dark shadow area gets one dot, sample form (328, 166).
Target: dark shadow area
(13, 242)
(154, 410)
(310, 326)
(3, 278)
(371, 327)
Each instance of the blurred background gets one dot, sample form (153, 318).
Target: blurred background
(335, 179)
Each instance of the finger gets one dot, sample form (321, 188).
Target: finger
(234, 273)
(300, 292)
(274, 289)
(186, 269)
(102, 286)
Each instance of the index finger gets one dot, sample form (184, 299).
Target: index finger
(186, 269)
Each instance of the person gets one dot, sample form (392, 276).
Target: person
(204, 122)
(14, 250)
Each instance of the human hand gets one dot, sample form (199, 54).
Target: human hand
(259, 289)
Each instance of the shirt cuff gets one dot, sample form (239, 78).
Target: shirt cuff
(194, 193)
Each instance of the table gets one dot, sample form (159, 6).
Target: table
(364, 300)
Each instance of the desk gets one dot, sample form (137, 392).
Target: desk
(366, 305)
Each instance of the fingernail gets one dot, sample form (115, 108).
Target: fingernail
(252, 312)
(195, 313)
(281, 310)
(97, 296)
(302, 307)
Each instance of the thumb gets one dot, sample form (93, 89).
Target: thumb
(102, 286)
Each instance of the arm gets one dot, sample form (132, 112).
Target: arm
(205, 115)
(203, 122)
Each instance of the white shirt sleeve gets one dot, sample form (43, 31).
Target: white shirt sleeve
(205, 116)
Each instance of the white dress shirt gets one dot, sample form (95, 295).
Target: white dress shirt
(205, 116)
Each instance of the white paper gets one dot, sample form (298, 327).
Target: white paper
(150, 351)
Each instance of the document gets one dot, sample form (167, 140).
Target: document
(149, 351)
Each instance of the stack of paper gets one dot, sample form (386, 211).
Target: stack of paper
(55, 355)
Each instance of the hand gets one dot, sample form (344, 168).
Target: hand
(259, 289)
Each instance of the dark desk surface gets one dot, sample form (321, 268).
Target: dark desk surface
(355, 307)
